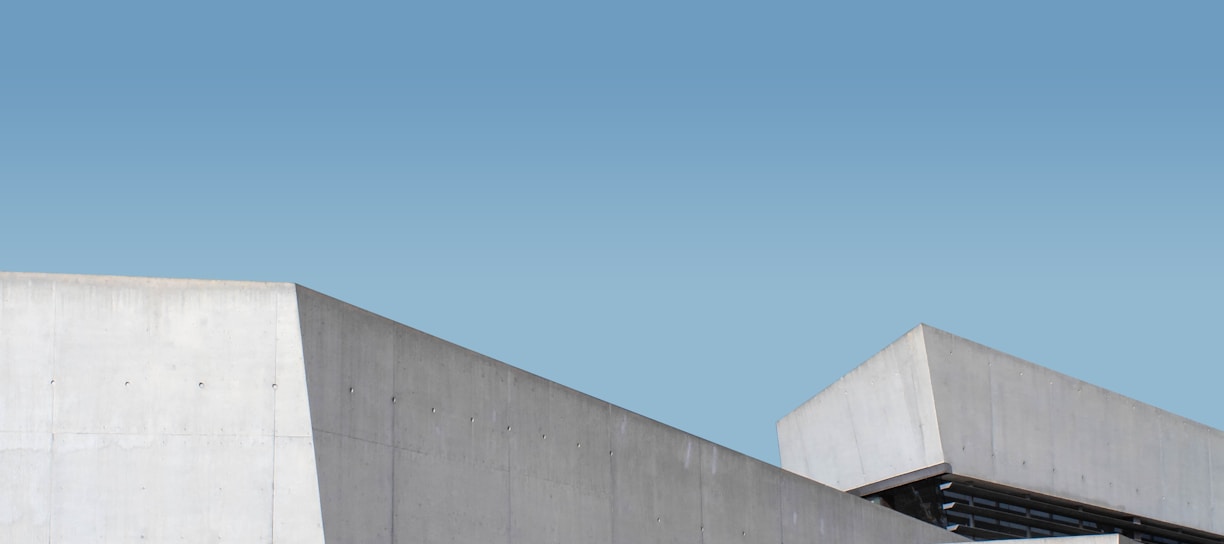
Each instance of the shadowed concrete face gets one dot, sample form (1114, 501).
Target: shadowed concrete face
(932, 398)
(137, 409)
(419, 440)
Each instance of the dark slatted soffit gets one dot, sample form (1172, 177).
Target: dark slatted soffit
(986, 512)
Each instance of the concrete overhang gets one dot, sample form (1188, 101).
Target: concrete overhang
(933, 403)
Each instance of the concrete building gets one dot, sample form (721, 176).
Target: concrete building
(1007, 448)
(156, 410)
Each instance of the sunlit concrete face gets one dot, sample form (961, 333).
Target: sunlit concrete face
(152, 410)
(932, 399)
(148, 410)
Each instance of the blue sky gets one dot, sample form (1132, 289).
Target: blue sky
(701, 211)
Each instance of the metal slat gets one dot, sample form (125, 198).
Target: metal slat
(1030, 503)
(1127, 524)
(979, 533)
(1017, 518)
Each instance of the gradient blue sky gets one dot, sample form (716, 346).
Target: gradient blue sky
(704, 212)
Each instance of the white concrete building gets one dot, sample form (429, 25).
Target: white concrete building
(155, 410)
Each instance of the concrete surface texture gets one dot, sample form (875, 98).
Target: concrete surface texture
(932, 398)
(150, 410)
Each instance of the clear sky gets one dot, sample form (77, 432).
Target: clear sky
(704, 212)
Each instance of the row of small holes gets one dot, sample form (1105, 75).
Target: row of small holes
(128, 384)
(200, 385)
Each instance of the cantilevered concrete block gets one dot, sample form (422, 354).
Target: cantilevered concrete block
(933, 403)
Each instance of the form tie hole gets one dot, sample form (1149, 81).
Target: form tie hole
(125, 384)
(200, 385)
(273, 387)
(351, 390)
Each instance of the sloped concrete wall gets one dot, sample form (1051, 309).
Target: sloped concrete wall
(874, 423)
(143, 410)
(422, 441)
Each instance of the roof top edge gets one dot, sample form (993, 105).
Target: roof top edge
(10, 274)
(1058, 374)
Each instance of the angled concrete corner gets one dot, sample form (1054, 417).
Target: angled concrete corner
(933, 403)
(874, 423)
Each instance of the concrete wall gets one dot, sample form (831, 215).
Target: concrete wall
(140, 410)
(874, 423)
(146, 410)
(422, 441)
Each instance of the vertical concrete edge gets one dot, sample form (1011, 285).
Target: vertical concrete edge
(296, 506)
(929, 388)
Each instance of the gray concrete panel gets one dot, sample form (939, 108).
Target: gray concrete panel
(556, 512)
(199, 352)
(449, 402)
(295, 499)
(656, 482)
(163, 488)
(739, 498)
(27, 310)
(440, 500)
(560, 479)
(354, 488)
(564, 436)
(25, 486)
